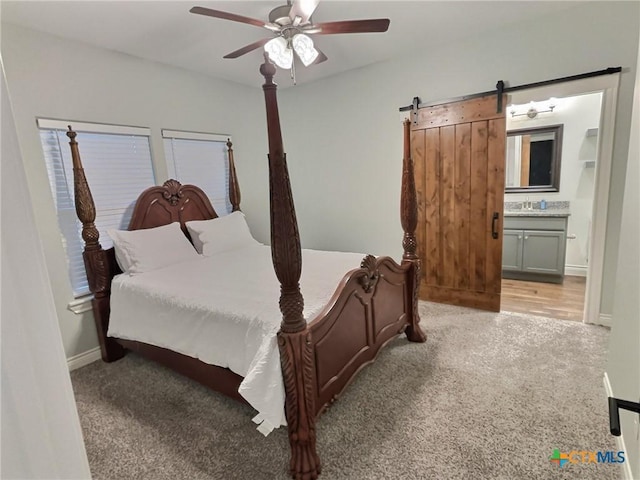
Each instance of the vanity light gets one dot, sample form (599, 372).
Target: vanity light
(533, 112)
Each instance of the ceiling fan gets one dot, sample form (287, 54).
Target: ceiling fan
(291, 25)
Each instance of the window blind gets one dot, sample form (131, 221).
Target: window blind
(202, 160)
(118, 168)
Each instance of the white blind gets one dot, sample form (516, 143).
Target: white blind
(118, 168)
(203, 163)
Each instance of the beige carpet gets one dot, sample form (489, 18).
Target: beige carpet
(489, 396)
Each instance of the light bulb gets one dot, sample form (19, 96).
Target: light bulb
(303, 45)
(279, 52)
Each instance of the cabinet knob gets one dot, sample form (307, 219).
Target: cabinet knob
(519, 237)
(526, 237)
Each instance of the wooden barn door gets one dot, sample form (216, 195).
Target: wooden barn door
(459, 155)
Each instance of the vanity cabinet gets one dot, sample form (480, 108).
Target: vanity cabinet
(533, 247)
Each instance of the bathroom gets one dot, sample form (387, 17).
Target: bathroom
(549, 202)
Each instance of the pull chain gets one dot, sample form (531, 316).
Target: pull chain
(293, 71)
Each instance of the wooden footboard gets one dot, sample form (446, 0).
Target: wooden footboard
(372, 306)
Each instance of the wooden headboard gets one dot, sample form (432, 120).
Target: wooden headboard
(172, 202)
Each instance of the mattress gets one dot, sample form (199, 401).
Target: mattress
(224, 311)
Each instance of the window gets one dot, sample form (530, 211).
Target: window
(200, 159)
(117, 164)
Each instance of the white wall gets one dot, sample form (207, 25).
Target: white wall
(577, 180)
(55, 78)
(344, 137)
(41, 435)
(623, 368)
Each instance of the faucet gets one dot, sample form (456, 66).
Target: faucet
(527, 205)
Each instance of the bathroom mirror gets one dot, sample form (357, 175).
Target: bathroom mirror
(533, 159)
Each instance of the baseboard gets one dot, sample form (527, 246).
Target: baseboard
(605, 320)
(575, 270)
(626, 466)
(84, 358)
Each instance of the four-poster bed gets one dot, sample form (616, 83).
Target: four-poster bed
(319, 356)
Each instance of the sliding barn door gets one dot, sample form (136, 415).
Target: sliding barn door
(459, 155)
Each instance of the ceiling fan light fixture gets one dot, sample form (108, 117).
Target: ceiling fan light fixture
(279, 52)
(303, 45)
(291, 25)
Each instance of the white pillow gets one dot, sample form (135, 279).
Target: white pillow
(221, 234)
(139, 251)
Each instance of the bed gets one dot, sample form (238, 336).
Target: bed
(319, 346)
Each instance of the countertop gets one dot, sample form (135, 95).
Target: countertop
(536, 213)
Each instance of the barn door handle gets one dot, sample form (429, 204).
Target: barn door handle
(494, 224)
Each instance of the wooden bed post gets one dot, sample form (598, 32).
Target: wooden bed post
(95, 258)
(234, 187)
(294, 338)
(409, 219)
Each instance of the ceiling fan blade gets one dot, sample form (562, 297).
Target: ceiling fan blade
(247, 48)
(354, 26)
(227, 16)
(321, 57)
(303, 9)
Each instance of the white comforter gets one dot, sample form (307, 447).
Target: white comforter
(224, 311)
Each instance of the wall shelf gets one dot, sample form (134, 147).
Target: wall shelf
(590, 133)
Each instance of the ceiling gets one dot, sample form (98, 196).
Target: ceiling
(165, 31)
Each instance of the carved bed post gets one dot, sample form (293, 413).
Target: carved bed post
(294, 339)
(234, 187)
(409, 219)
(95, 259)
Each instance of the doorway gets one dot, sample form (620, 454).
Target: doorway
(585, 109)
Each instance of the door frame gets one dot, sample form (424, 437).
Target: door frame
(608, 85)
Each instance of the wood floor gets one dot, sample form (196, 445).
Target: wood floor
(564, 301)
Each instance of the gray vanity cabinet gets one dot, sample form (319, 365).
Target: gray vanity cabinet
(512, 242)
(533, 248)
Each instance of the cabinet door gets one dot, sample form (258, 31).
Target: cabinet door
(512, 250)
(543, 252)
